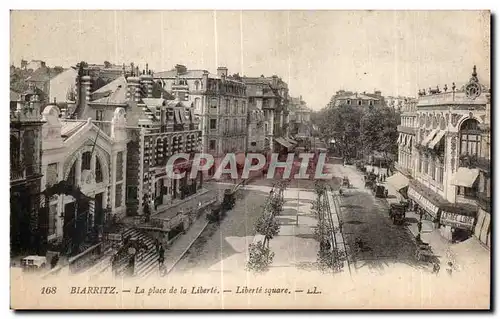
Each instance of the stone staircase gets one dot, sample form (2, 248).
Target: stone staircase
(147, 261)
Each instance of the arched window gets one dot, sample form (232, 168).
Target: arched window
(15, 153)
(72, 175)
(86, 159)
(470, 137)
(196, 85)
(98, 171)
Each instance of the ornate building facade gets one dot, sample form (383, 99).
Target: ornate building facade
(220, 102)
(270, 94)
(446, 154)
(25, 172)
(158, 125)
(90, 158)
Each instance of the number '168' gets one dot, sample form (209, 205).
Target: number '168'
(49, 290)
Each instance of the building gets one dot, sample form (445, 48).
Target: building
(219, 100)
(271, 95)
(448, 158)
(91, 159)
(25, 171)
(159, 125)
(396, 102)
(299, 118)
(33, 64)
(256, 129)
(342, 97)
(407, 131)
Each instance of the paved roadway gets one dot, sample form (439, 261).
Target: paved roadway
(367, 217)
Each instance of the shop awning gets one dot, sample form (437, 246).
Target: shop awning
(291, 141)
(465, 176)
(283, 142)
(472, 255)
(398, 180)
(436, 139)
(400, 138)
(429, 137)
(408, 142)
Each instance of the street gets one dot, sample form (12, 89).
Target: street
(367, 218)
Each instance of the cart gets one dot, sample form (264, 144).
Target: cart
(379, 191)
(397, 213)
(345, 182)
(424, 253)
(33, 263)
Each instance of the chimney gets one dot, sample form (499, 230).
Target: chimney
(146, 81)
(222, 72)
(133, 92)
(181, 69)
(84, 83)
(275, 81)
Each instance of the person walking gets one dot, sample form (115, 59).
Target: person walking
(449, 269)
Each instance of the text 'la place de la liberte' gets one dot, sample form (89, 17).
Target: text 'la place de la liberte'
(231, 165)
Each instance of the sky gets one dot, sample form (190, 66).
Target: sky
(315, 52)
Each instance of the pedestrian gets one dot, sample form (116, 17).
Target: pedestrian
(157, 245)
(449, 269)
(436, 268)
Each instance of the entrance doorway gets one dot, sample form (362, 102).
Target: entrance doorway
(98, 210)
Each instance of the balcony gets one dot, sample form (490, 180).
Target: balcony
(469, 161)
(484, 201)
(483, 164)
(407, 129)
(20, 172)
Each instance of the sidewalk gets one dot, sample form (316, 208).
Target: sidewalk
(339, 238)
(181, 245)
(440, 246)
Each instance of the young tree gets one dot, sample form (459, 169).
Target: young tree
(260, 257)
(268, 226)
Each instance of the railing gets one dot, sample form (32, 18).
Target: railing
(86, 258)
(483, 163)
(469, 161)
(484, 201)
(406, 129)
(448, 98)
(20, 173)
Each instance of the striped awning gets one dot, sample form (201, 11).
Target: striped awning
(465, 176)
(436, 139)
(400, 138)
(429, 137)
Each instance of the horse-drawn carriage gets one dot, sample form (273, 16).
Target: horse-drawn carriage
(219, 210)
(424, 252)
(380, 191)
(370, 180)
(346, 182)
(397, 212)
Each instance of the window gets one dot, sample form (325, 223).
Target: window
(227, 106)
(359, 102)
(98, 171)
(440, 172)
(72, 175)
(242, 126)
(212, 145)
(51, 175)
(253, 143)
(251, 100)
(52, 219)
(197, 104)
(243, 107)
(119, 166)
(470, 138)
(14, 153)
(213, 124)
(99, 115)
(213, 103)
(196, 85)
(118, 197)
(433, 169)
(348, 102)
(226, 125)
(131, 193)
(370, 103)
(467, 191)
(86, 159)
(235, 125)
(236, 106)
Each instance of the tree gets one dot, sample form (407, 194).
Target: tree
(379, 131)
(107, 64)
(268, 226)
(260, 257)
